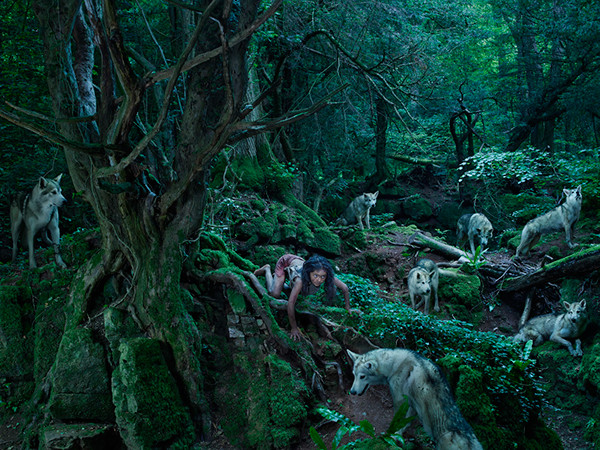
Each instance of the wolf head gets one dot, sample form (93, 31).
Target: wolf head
(483, 228)
(422, 282)
(573, 195)
(369, 200)
(576, 312)
(49, 192)
(365, 372)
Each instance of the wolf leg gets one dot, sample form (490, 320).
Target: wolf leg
(15, 229)
(55, 239)
(29, 235)
(560, 340)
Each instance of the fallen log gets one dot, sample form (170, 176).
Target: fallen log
(513, 275)
(495, 272)
(577, 264)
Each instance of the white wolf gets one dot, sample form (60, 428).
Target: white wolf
(563, 217)
(429, 396)
(358, 209)
(35, 212)
(474, 226)
(423, 280)
(555, 327)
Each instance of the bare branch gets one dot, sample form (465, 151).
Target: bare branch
(141, 146)
(204, 57)
(55, 138)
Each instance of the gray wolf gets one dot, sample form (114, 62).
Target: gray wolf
(358, 209)
(423, 280)
(563, 217)
(474, 226)
(555, 327)
(37, 212)
(422, 382)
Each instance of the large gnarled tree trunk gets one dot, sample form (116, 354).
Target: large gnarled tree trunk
(145, 225)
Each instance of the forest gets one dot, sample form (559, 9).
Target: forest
(156, 154)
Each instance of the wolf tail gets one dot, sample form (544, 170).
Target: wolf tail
(526, 309)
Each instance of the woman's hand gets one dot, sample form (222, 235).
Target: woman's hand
(296, 334)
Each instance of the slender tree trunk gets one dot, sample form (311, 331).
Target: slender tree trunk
(382, 171)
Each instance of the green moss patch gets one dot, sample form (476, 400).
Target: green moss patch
(263, 400)
(148, 406)
(80, 383)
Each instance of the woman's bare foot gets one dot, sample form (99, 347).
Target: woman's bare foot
(262, 270)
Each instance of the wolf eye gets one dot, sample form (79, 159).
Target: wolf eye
(362, 377)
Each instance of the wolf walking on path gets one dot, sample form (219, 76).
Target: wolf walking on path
(35, 212)
(474, 227)
(429, 396)
(563, 217)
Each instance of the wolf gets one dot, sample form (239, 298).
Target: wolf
(35, 212)
(563, 217)
(429, 396)
(474, 226)
(555, 327)
(423, 280)
(358, 209)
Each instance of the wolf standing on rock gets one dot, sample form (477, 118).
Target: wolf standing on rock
(358, 209)
(562, 217)
(429, 396)
(35, 212)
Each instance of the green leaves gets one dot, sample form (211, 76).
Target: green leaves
(348, 427)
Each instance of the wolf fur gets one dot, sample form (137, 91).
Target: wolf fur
(359, 209)
(423, 280)
(429, 396)
(474, 227)
(35, 212)
(555, 327)
(563, 217)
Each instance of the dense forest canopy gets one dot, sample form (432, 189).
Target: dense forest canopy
(178, 122)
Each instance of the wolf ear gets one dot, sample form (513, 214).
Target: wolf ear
(567, 305)
(582, 303)
(376, 194)
(353, 356)
(43, 182)
(57, 179)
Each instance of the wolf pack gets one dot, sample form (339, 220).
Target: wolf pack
(419, 380)
(409, 375)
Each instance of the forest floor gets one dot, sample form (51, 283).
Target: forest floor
(376, 405)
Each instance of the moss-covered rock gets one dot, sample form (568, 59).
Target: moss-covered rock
(264, 400)
(80, 382)
(590, 369)
(449, 214)
(417, 208)
(49, 327)
(80, 435)
(282, 224)
(148, 406)
(461, 294)
(16, 355)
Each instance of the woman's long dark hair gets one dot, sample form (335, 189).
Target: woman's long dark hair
(318, 263)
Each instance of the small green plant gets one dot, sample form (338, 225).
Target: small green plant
(390, 439)
(474, 262)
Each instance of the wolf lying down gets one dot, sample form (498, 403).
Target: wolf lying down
(555, 327)
(429, 397)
